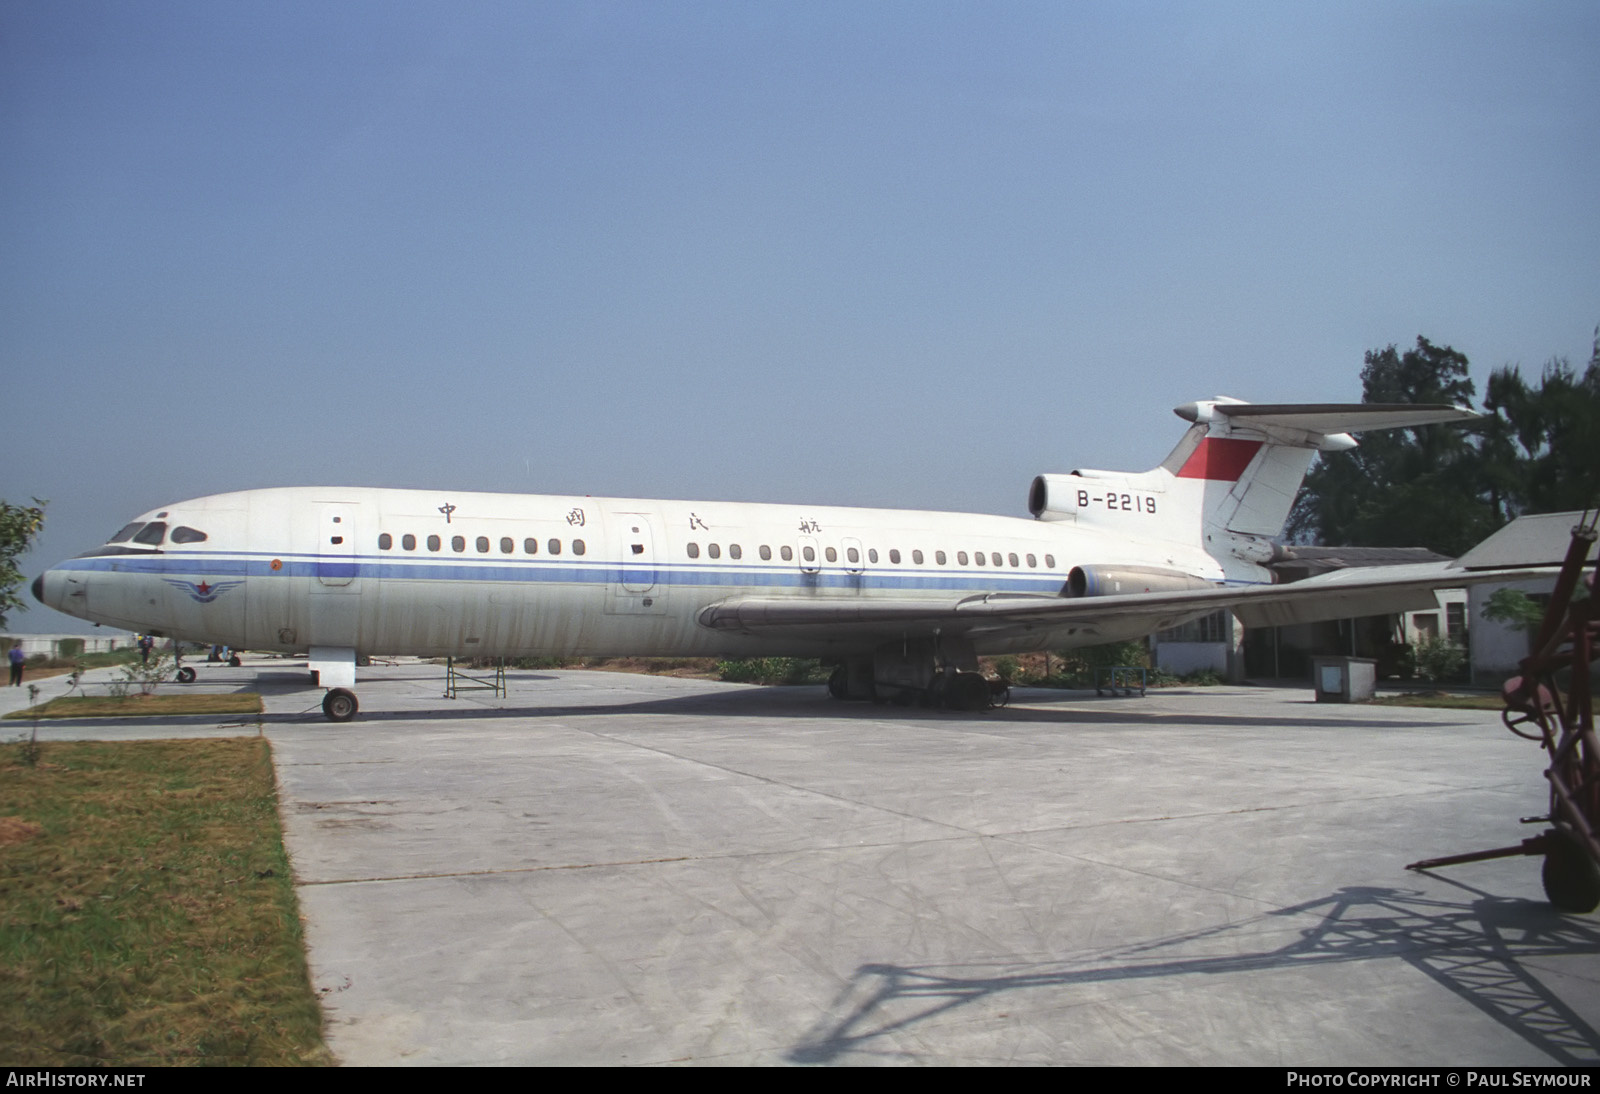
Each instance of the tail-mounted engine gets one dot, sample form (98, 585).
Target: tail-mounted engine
(1127, 580)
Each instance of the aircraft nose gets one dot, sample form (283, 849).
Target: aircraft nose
(38, 589)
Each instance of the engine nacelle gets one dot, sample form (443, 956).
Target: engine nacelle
(1054, 497)
(1126, 580)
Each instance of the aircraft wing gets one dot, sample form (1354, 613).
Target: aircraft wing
(1339, 595)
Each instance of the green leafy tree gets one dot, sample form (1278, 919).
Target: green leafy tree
(19, 524)
(1541, 449)
(1406, 487)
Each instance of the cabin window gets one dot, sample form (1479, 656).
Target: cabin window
(832, 555)
(894, 555)
(787, 553)
(1033, 562)
(433, 543)
(713, 550)
(872, 554)
(977, 556)
(735, 551)
(961, 557)
(852, 554)
(939, 557)
(408, 541)
(553, 546)
(766, 553)
(1012, 558)
(994, 556)
(916, 557)
(694, 550)
(458, 543)
(578, 547)
(482, 544)
(808, 553)
(507, 545)
(530, 546)
(1050, 561)
(182, 534)
(152, 534)
(127, 532)
(385, 541)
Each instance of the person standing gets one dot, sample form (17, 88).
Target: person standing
(18, 659)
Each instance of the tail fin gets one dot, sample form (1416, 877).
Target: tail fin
(1229, 484)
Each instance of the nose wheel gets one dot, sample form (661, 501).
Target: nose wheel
(340, 705)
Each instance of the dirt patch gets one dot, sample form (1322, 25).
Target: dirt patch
(17, 830)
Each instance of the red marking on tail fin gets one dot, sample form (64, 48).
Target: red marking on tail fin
(1219, 458)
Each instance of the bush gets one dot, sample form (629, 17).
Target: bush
(772, 670)
(1439, 659)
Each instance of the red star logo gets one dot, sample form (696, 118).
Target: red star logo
(203, 588)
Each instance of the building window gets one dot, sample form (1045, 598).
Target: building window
(1212, 628)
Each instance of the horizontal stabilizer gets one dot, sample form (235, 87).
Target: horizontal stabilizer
(1332, 418)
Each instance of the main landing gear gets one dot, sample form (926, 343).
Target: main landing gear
(930, 672)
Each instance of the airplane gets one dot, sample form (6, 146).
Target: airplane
(901, 602)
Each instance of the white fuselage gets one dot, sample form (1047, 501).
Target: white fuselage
(439, 573)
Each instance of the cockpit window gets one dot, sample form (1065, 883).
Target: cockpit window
(184, 534)
(151, 536)
(127, 533)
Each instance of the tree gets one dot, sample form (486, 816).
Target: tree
(1541, 450)
(19, 524)
(1402, 488)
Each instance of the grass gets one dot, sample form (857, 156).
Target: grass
(1441, 699)
(147, 914)
(104, 706)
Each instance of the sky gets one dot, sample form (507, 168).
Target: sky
(884, 254)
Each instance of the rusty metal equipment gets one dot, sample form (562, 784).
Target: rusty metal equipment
(1538, 708)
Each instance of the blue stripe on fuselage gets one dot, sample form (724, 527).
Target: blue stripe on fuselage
(563, 572)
